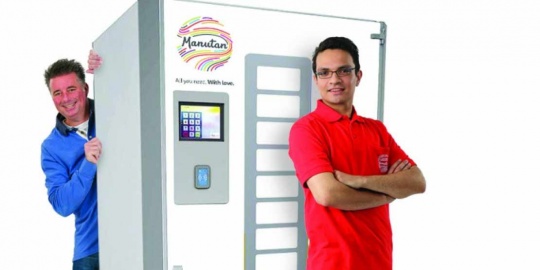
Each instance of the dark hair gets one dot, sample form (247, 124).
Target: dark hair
(341, 43)
(64, 67)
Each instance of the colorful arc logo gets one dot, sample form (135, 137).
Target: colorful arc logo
(204, 42)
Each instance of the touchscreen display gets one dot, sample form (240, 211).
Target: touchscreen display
(201, 121)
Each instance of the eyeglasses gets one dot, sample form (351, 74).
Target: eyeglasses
(340, 72)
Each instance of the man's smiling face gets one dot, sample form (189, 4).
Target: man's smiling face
(69, 95)
(336, 91)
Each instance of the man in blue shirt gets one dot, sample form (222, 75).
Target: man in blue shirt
(69, 157)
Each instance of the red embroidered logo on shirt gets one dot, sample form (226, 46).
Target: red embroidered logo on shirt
(383, 163)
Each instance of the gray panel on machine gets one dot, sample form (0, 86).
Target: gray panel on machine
(201, 147)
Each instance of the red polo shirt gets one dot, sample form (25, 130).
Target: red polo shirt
(325, 141)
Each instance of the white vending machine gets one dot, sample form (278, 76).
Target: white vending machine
(194, 103)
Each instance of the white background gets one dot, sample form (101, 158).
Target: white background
(461, 99)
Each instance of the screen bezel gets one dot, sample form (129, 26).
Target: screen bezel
(202, 104)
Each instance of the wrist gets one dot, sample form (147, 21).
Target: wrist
(361, 181)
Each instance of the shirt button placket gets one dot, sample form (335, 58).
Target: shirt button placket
(352, 129)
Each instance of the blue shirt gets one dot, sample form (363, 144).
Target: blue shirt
(71, 182)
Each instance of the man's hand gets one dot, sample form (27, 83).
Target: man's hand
(354, 181)
(94, 62)
(358, 181)
(92, 150)
(399, 165)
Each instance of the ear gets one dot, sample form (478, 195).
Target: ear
(86, 88)
(358, 77)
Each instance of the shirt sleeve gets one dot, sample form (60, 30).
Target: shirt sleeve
(396, 153)
(66, 192)
(308, 151)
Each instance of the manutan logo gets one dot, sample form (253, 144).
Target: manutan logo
(205, 43)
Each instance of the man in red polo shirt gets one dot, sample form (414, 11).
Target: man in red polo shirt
(350, 168)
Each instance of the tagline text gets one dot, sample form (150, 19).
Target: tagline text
(207, 81)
